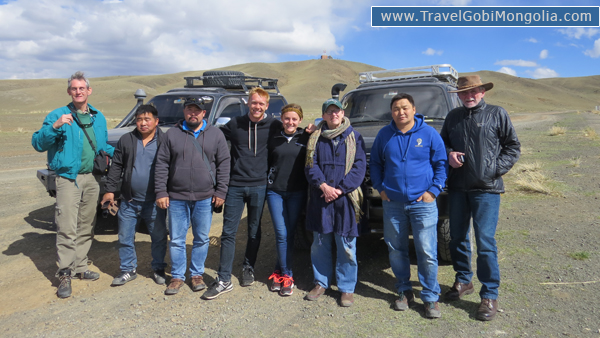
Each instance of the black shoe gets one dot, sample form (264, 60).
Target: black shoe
(64, 289)
(159, 277)
(89, 275)
(247, 276)
(124, 277)
(216, 289)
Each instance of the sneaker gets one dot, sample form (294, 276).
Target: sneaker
(159, 277)
(89, 275)
(432, 310)
(288, 286)
(174, 286)
(276, 277)
(404, 301)
(216, 289)
(64, 289)
(198, 283)
(124, 277)
(247, 276)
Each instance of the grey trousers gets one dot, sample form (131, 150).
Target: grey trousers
(75, 217)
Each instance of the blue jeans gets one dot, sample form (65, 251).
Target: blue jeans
(346, 266)
(237, 197)
(398, 218)
(285, 208)
(483, 208)
(181, 213)
(130, 213)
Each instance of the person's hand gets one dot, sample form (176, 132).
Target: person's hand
(217, 201)
(162, 202)
(384, 196)
(453, 159)
(108, 197)
(329, 193)
(311, 128)
(427, 197)
(66, 118)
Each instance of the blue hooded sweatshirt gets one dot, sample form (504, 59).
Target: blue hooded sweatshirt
(406, 165)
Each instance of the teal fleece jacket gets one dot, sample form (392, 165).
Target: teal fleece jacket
(65, 144)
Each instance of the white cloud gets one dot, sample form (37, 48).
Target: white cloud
(544, 54)
(431, 51)
(518, 63)
(595, 52)
(532, 40)
(507, 70)
(54, 38)
(578, 32)
(542, 72)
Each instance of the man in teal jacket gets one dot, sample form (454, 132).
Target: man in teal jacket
(71, 156)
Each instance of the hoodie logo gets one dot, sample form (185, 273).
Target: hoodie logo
(419, 141)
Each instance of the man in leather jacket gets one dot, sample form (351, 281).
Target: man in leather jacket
(482, 146)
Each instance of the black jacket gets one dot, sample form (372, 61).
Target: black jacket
(487, 137)
(123, 160)
(286, 162)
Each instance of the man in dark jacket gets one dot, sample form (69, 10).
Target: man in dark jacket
(248, 135)
(482, 146)
(192, 175)
(134, 161)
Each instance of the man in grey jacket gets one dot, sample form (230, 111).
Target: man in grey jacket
(482, 146)
(191, 178)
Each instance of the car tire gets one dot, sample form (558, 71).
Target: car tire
(232, 80)
(443, 231)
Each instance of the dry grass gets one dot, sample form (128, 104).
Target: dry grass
(590, 133)
(528, 167)
(575, 162)
(20, 130)
(531, 179)
(556, 130)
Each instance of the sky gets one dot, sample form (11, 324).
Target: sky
(55, 38)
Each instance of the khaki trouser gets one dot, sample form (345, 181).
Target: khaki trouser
(75, 216)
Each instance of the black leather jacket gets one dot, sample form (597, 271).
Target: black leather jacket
(487, 137)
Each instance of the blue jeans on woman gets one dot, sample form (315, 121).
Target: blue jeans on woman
(398, 218)
(483, 208)
(285, 208)
(181, 213)
(346, 265)
(130, 213)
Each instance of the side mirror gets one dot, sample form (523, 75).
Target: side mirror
(318, 120)
(221, 121)
(207, 99)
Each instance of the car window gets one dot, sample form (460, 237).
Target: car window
(230, 107)
(170, 108)
(275, 105)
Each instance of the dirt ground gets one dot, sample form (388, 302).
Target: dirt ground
(548, 251)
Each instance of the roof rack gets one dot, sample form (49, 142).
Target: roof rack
(232, 82)
(451, 75)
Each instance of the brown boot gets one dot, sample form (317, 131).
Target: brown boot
(315, 293)
(347, 299)
(198, 283)
(487, 309)
(458, 290)
(174, 286)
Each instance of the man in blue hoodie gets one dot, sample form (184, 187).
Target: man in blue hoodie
(408, 168)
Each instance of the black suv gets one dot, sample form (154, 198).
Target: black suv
(368, 108)
(224, 93)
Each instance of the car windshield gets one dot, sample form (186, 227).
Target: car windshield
(170, 108)
(374, 104)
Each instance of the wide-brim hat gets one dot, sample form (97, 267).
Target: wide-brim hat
(470, 82)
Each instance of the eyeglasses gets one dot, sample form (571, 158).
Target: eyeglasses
(332, 111)
(74, 89)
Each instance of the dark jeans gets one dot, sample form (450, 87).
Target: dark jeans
(237, 197)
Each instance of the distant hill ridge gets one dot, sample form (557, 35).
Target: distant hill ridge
(307, 83)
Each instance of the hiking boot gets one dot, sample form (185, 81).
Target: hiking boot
(404, 301)
(64, 289)
(198, 283)
(159, 277)
(276, 277)
(287, 288)
(247, 276)
(458, 290)
(347, 299)
(174, 286)
(89, 275)
(315, 293)
(124, 277)
(217, 288)
(432, 310)
(487, 309)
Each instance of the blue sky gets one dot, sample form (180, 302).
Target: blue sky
(53, 38)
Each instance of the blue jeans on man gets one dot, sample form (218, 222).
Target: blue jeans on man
(181, 214)
(130, 213)
(422, 217)
(346, 265)
(237, 197)
(285, 208)
(483, 208)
